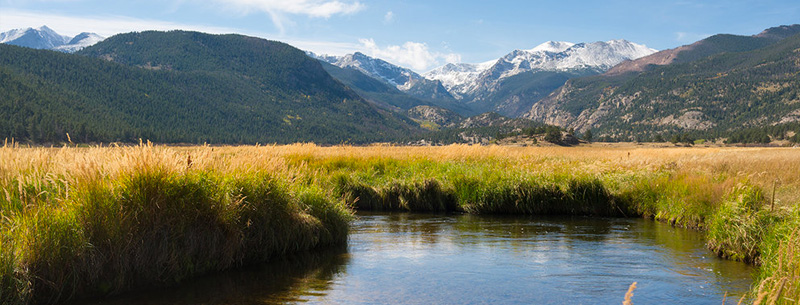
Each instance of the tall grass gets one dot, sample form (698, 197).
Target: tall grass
(779, 276)
(155, 223)
(97, 221)
(739, 226)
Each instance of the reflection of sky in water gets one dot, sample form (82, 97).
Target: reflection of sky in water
(468, 259)
(417, 259)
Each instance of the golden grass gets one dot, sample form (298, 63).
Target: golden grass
(690, 184)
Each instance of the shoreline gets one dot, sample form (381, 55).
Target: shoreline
(95, 201)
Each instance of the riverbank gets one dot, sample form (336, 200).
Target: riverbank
(93, 222)
(53, 193)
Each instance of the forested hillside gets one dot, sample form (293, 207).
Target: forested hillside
(183, 87)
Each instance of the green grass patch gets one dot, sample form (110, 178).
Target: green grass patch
(156, 228)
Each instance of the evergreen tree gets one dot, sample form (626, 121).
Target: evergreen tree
(553, 135)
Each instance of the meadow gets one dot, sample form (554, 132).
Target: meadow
(97, 221)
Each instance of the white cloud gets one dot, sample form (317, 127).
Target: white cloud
(278, 9)
(389, 17)
(411, 54)
(103, 25)
(313, 8)
(326, 47)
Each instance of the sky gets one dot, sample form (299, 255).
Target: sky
(418, 34)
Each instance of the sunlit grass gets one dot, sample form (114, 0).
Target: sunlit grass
(96, 221)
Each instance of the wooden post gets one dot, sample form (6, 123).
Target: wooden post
(772, 205)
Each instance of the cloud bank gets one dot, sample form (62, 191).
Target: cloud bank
(414, 55)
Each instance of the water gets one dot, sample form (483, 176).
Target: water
(468, 259)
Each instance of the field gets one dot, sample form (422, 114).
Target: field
(97, 221)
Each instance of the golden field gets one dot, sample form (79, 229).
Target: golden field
(50, 198)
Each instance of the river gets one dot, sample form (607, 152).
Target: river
(405, 258)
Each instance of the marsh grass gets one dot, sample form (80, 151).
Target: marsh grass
(739, 226)
(98, 221)
(153, 224)
(779, 276)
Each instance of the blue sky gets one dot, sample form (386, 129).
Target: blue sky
(420, 34)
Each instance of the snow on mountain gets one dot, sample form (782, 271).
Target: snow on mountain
(466, 79)
(457, 77)
(45, 38)
(40, 38)
(599, 56)
(79, 42)
(374, 67)
(403, 79)
(553, 46)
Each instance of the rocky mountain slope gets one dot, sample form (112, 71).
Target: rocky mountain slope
(511, 84)
(716, 85)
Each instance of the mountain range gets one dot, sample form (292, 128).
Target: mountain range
(45, 38)
(424, 91)
(508, 85)
(713, 87)
(193, 87)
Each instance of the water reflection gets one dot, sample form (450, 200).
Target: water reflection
(285, 280)
(458, 259)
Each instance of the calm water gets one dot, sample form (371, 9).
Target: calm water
(467, 259)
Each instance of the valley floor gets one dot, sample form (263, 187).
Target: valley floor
(98, 221)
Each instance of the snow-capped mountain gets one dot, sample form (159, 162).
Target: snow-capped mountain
(45, 38)
(467, 79)
(457, 77)
(377, 68)
(40, 38)
(79, 42)
(553, 46)
(403, 79)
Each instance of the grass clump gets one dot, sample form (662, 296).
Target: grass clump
(779, 275)
(738, 227)
(156, 226)
(556, 196)
(423, 196)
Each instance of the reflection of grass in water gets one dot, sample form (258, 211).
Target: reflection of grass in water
(285, 279)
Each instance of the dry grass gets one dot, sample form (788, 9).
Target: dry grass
(97, 221)
(686, 186)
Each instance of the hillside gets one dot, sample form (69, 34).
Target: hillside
(183, 87)
(745, 82)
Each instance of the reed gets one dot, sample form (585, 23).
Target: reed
(739, 226)
(100, 220)
(779, 275)
(155, 223)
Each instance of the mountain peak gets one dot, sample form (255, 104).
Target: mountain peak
(45, 28)
(552, 46)
(39, 38)
(44, 37)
